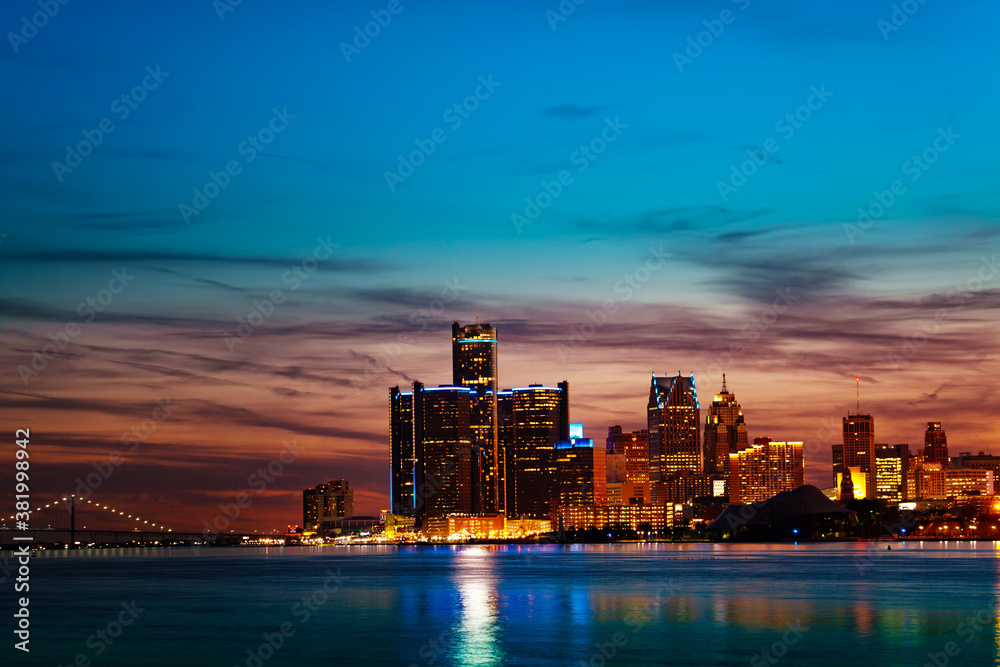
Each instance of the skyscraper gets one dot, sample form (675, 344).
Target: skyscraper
(764, 469)
(474, 365)
(402, 455)
(935, 444)
(725, 431)
(859, 447)
(442, 436)
(539, 418)
(674, 418)
(580, 471)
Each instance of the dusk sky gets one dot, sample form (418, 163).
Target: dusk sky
(583, 195)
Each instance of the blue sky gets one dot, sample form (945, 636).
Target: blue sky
(892, 94)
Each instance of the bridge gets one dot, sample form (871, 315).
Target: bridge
(73, 521)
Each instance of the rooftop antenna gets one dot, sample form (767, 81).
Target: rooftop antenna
(858, 393)
(724, 384)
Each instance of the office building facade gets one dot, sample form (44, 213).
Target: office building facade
(673, 419)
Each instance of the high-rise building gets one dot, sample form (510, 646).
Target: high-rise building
(634, 447)
(474, 365)
(580, 473)
(935, 444)
(892, 464)
(764, 469)
(725, 431)
(539, 418)
(442, 435)
(402, 454)
(334, 500)
(673, 416)
(859, 447)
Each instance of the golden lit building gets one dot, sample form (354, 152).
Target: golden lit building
(463, 526)
(538, 419)
(725, 431)
(859, 447)
(764, 469)
(892, 467)
(582, 517)
(859, 480)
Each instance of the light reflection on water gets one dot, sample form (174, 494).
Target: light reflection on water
(529, 605)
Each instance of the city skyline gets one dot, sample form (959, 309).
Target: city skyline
(791, 222)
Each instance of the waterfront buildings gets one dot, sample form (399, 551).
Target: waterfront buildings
(330, 501)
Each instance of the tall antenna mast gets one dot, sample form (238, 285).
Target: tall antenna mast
(724, 384)
(858, 393)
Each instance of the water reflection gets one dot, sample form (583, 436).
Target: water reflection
(476, 634)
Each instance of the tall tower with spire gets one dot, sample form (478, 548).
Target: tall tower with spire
(725, 431)
(858, 448)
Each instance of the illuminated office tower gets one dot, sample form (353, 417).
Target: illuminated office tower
(765, 469)
(402, 455)
(725, 431)
(859, 447)
(935, 445)
(474, 365)
(505, 448)
(442, 437)
(674, 418)
(580, 471)
(539, 418)
(892, 464)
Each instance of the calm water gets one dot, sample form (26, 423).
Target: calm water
(544, 605)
